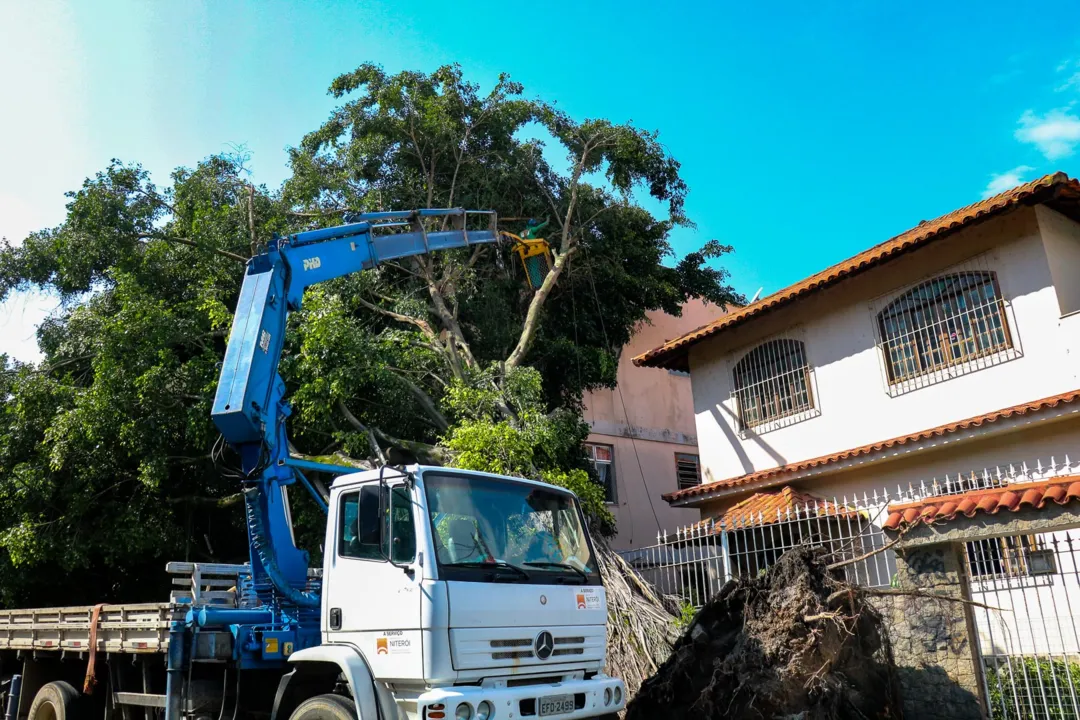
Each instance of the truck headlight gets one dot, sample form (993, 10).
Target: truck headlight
(618, 694)
(607, 696)
(484, 711)
(463, 712)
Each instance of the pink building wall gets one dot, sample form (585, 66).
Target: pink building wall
(647, 420)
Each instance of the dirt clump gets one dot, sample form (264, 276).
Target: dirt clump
(794, 643)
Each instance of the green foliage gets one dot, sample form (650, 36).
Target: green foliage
(1027, 688)
(535, 444)
(590, 494)
(109, 463)
(687, 613)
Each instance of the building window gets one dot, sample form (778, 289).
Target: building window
(772, 382)
(947, 321)
(602, 458)
(687, 470)
(1010, 557)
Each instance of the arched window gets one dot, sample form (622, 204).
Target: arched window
(945, 321)
(772, 381)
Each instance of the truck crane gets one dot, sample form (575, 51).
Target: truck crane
(442, 593)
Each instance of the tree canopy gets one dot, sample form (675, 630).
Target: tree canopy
(109, 462)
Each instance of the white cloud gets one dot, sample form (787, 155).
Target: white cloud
(1055, 134)
(1000, 182)
(1072, 67)
(1072, 82)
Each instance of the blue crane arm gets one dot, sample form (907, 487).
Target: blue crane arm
(250, 408)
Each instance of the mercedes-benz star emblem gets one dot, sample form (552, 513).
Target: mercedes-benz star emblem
(543, 599)
(544, 645)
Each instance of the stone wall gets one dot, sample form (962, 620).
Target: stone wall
(936, 659)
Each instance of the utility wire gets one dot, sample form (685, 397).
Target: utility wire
(577, 358)
(618, 387)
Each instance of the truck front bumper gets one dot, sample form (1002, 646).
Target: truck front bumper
(594, 697)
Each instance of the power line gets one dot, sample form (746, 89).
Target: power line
(577, 357)
(626, 415)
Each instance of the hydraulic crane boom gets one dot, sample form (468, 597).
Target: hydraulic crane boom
(250, 408)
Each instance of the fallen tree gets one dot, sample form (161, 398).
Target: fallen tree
(794, 642)
(641, 624)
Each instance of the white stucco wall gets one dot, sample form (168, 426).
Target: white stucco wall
(1061, 237)
(837, 326)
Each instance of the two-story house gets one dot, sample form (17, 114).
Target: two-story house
(949, 351)
(642, 440)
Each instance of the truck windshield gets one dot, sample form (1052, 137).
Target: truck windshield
(489, 530)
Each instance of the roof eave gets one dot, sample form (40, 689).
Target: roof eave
(674, 354)
(1000, 421)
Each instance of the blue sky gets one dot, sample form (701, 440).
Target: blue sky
(807, 131)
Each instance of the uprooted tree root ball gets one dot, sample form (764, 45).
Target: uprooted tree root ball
(794, 642)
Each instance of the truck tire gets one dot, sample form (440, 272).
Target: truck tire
(324, 707)
(55, 701)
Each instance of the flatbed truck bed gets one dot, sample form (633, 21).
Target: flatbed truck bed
(44, 645)
(128, 627)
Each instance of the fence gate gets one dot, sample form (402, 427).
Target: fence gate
(1024, 589)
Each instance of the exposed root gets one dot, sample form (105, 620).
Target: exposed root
(641, 625)
(775, 647)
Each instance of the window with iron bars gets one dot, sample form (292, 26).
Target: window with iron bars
(943, 322)
(687, 470)
(772, 383)
(1009, 557)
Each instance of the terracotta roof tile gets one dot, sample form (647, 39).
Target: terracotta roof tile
(673, 354)
(766, 508)
(1023, 409)
(991, 501)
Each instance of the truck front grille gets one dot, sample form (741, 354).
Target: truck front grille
(576, 645)
(512, 643)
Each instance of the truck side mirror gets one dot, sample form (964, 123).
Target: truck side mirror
(391, 499)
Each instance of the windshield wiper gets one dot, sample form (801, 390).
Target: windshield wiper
(496, 565)
(565, 566)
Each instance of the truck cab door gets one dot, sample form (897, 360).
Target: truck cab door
(372, 590)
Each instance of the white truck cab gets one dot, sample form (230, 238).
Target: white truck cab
(467, 595)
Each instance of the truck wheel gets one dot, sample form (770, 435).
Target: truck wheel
(325, 707)
(55, 701)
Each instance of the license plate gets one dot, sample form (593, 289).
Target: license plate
(556, 704)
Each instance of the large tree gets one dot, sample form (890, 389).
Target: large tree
(109, 464)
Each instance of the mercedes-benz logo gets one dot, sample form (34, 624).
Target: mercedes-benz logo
(543, 599)
(544, 645)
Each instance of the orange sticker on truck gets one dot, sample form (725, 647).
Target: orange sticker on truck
(588, 598)
(394, 642)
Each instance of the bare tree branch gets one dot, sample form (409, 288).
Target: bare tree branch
(251, 217)
(421, 324)
(425, 402)
(192, 243)
(532, 317)
(319, 213)
(221, 502)
(355, 422)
